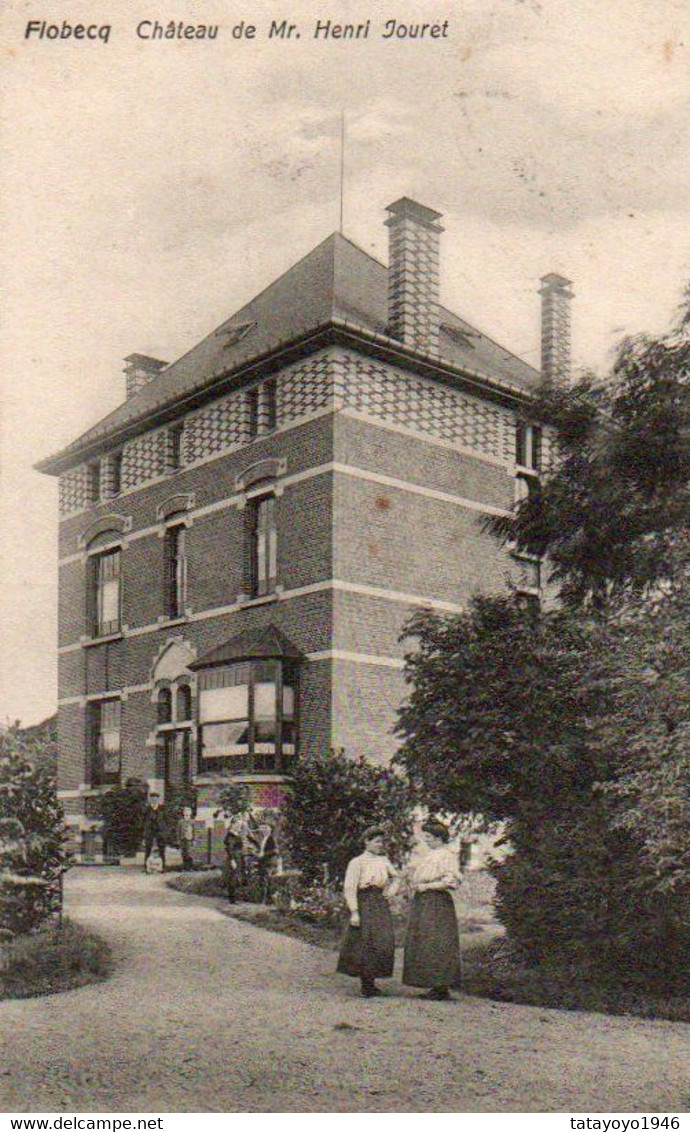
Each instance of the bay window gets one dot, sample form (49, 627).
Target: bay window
(247, 716)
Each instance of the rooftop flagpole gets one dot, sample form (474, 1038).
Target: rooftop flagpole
(342, 168)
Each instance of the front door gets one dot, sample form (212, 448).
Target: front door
(177, 758)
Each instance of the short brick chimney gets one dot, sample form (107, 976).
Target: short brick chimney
(139, 370)
(413, 274)
(556, 297)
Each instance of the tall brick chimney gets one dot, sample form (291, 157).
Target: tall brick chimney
(413, 274)
(139, 370)
(556, 297)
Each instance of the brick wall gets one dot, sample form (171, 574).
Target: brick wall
(71, 745)
(330, 525)
(391, 538)
(365, 701)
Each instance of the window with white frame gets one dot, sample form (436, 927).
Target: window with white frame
(528, 446)
(175, 570)
(263, 545)
(105, 597)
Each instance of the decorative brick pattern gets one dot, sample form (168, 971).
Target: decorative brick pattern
(337, 380)
(143, 458)
(424, 406)
(222, 426)
(74, 490)
(305, 389)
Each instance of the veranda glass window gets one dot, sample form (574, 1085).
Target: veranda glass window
(247, 716)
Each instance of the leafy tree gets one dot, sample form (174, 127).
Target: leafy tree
(650, 729)
(574, 732)
(572, 726)
(335, 798)
(613, 506)
(32, 833)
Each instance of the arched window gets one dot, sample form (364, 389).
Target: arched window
(184, 703)
(164, 706)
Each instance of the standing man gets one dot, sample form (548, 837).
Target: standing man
(154, 827)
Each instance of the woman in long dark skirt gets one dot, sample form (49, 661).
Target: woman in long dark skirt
(368, 948)
(432, 947)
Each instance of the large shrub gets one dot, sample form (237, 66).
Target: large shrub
(575, 733)
(335, 798)
(32, 834)
(122, 811)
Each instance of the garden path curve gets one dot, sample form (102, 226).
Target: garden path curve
(208, 1014)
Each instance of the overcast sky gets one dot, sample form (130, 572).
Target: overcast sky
(150, 189)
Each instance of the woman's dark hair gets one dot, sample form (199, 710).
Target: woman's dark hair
(437, 829)
(371, 832)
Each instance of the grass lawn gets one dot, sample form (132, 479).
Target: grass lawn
(489, 968)
(53, 960)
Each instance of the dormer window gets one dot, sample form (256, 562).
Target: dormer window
(235, 334)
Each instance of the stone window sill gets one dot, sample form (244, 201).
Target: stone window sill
(169, 622)
(88, 642)
(265, 599)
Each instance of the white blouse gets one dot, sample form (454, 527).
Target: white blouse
(368, 871)
(437, 864)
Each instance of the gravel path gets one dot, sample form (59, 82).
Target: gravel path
(207, 1014)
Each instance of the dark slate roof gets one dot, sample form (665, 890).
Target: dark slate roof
(336, 281)
(266, 644)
